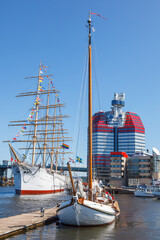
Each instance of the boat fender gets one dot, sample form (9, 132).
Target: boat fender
(81, 200)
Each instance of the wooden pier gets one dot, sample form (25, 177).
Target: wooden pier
(20, 223)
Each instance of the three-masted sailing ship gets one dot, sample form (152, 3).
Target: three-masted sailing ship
(43, 136)
(93, 207)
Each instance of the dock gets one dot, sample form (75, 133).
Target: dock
(120, 190)
(18, 224)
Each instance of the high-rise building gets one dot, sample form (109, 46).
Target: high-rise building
(115, 131)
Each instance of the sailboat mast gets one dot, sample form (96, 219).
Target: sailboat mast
(90, 110)
(36, 118)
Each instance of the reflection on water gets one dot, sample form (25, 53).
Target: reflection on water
(12, 204)
(139, 218)
(101, 232)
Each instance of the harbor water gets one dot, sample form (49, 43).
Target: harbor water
(139, 218)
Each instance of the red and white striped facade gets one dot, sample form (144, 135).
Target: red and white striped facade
(115, 131)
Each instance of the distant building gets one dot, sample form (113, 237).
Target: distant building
(139, 169)
(155, 164)
(118, 170)
(115, 131)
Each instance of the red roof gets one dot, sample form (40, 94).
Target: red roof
(124, 154)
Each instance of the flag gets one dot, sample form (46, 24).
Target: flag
(11, 159)
(78, 159)
(98, 15)
(65, 146)
(44, 66)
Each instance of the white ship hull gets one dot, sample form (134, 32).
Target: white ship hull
(31, 180)
(87, 214)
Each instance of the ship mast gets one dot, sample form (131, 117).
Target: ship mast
(90, 110)
(36, 118)
(52, 151)
(45, 135)
(57, 148)
(43, 140)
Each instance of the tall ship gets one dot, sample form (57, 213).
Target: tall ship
(38, 161)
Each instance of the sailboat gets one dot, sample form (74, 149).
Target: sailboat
(42, 134)
(91, 208)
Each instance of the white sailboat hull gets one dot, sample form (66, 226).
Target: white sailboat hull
(31, 180)
(87, 214)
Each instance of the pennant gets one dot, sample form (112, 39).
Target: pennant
(98, 15)
(71, 160)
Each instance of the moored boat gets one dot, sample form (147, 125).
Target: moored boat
(144, 191)
(93, 207)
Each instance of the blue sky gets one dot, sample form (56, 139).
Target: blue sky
(126, 51)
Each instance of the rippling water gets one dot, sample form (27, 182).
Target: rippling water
(139, 218)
